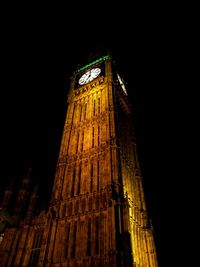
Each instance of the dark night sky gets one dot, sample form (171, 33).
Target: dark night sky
(35, 68)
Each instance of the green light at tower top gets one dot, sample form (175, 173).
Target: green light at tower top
(92, 63)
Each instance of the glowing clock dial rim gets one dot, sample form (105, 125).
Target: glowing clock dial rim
(89, 76)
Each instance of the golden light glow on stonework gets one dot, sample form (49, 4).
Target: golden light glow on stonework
(97, 214)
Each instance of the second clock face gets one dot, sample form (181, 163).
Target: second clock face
(89, 76)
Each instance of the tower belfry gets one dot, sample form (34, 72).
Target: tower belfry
(97, 214)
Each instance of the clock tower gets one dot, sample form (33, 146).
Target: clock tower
(97, 215)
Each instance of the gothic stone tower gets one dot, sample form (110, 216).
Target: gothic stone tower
(97, 214)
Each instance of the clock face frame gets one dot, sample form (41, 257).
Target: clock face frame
(89, 76)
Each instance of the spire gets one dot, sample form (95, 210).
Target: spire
(23, 193)
(32, 203)
(7, 195)
(26, 180)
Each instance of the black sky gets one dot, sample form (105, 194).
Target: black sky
(36, 63)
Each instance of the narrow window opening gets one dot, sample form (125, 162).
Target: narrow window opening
(67, 240)
(98, 175)
(77, 141)
(91, 177)
(98, 135)
(79, 181)
(99, 105)
(88, 252)
(73, 182)
(80, 112)
(85, 111)
(97, 236)
(94, 108)
(92, 136)
(74, 241)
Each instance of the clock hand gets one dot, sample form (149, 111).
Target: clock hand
(89, 75)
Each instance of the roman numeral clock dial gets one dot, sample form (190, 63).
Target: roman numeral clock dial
(89, 76)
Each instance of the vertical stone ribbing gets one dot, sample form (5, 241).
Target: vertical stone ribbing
(102, 204)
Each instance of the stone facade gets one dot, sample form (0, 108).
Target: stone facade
(97, 214)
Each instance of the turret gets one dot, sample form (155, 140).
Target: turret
(7, 195)
(32, 203)
(22, 196)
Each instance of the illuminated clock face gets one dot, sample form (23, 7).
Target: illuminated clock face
(89, 76)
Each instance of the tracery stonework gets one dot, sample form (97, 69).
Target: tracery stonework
(97, 215)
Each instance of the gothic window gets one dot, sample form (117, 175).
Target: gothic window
(80, 112)
(79, 180)
(98, 170)
(98, 135)
(92, 136)
(73, 182)
(77, 141)
(91, 170)
(82, 141)
(85, 111)
(88, 251)
(67, 239)
(91, 177)
(94, 108)
(99, 105)
(74, 241)
(97, 235)
(34, 256)
(17, 241)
